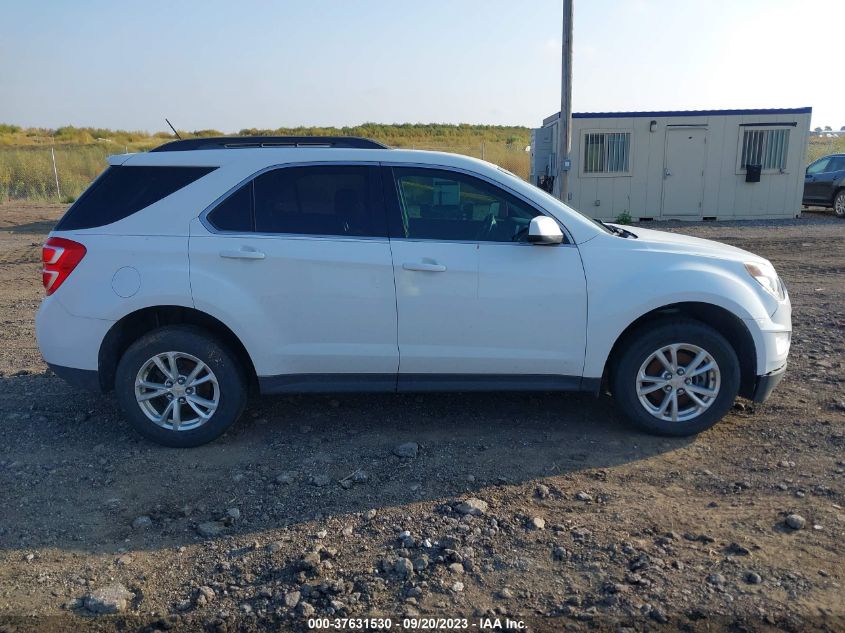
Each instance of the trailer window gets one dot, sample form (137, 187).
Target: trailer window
(766, 147)
(606, 152)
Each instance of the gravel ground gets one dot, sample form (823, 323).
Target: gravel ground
(543, 509)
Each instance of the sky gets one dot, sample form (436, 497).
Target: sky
(229, 64)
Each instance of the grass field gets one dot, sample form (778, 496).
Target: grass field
(26, 164)
(26, 167)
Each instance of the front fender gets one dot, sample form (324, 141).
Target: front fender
(643, 282)
(838, 185)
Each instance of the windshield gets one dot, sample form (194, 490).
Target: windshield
(550, 199)
(566, 207)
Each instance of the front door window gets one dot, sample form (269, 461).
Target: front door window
(449, 206)
(819, 167)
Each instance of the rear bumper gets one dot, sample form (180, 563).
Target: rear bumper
(767, 383)
(88, 379)
(68, 341)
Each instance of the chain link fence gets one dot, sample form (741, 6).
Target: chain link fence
(509, 156)
(61, 172)
(821, 145)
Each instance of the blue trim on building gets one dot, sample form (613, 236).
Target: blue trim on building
(678, 113)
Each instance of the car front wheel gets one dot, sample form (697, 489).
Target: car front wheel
(676, 377)
(179, 386)
(839, 204)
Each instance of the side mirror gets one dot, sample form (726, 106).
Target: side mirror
(544, 231)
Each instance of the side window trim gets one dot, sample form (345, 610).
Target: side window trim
(203, 216)
(396, 228)
(376, 189)
(394, 211)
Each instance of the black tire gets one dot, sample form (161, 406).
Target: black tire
(839, 204)
(653, 337)
(184, 339)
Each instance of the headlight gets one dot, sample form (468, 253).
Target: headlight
(766, 276)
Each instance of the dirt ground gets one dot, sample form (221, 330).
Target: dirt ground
(304, 510)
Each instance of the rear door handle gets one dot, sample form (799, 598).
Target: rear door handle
(428, 268)
(242, 253)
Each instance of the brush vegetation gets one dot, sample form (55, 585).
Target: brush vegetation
(822, 146)
(26, 168)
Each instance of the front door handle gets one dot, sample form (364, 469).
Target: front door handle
(242, 253)
(424, 267)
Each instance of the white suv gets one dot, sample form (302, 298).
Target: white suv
(187, 276)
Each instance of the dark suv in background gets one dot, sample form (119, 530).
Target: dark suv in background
(824, 184)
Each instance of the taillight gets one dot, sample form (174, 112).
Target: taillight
(60, 257)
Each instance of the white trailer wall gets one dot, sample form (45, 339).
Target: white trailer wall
(700, 176)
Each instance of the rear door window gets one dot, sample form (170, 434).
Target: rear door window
(339, 200)
(837, 163)
(122, 190)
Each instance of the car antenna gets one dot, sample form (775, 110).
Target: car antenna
(173, 128)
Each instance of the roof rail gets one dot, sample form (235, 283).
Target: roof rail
(234, 142)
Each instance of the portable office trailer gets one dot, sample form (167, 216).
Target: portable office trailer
(691, 165)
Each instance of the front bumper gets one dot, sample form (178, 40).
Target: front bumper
(766, 384)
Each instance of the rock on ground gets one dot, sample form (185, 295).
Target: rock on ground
(292, 599)
(796, 522)
(408, 449)
(142, 523)
(112, 598)
(210, 529)
(473, 506)
(404, 567)
(536, 523)
(320, 480)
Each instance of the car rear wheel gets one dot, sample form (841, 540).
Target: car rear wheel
(179, 386)
(839, 204)
(676, 377)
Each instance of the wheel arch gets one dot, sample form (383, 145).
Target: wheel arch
(722, 320)
(135, 324)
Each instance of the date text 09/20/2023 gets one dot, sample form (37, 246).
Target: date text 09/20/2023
(420, 624)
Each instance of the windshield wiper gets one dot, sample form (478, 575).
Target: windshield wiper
(616, 230)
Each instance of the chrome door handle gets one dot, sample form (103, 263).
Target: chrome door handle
(242, 254)
(428, 268)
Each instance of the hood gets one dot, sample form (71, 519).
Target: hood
(675, 243)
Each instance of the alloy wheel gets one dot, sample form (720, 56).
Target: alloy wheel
(177, 391)
(678, 382)
(839, 205)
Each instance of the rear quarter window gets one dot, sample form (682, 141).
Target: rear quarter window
(121, 191)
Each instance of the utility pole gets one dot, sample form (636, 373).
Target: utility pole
(565, 121)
